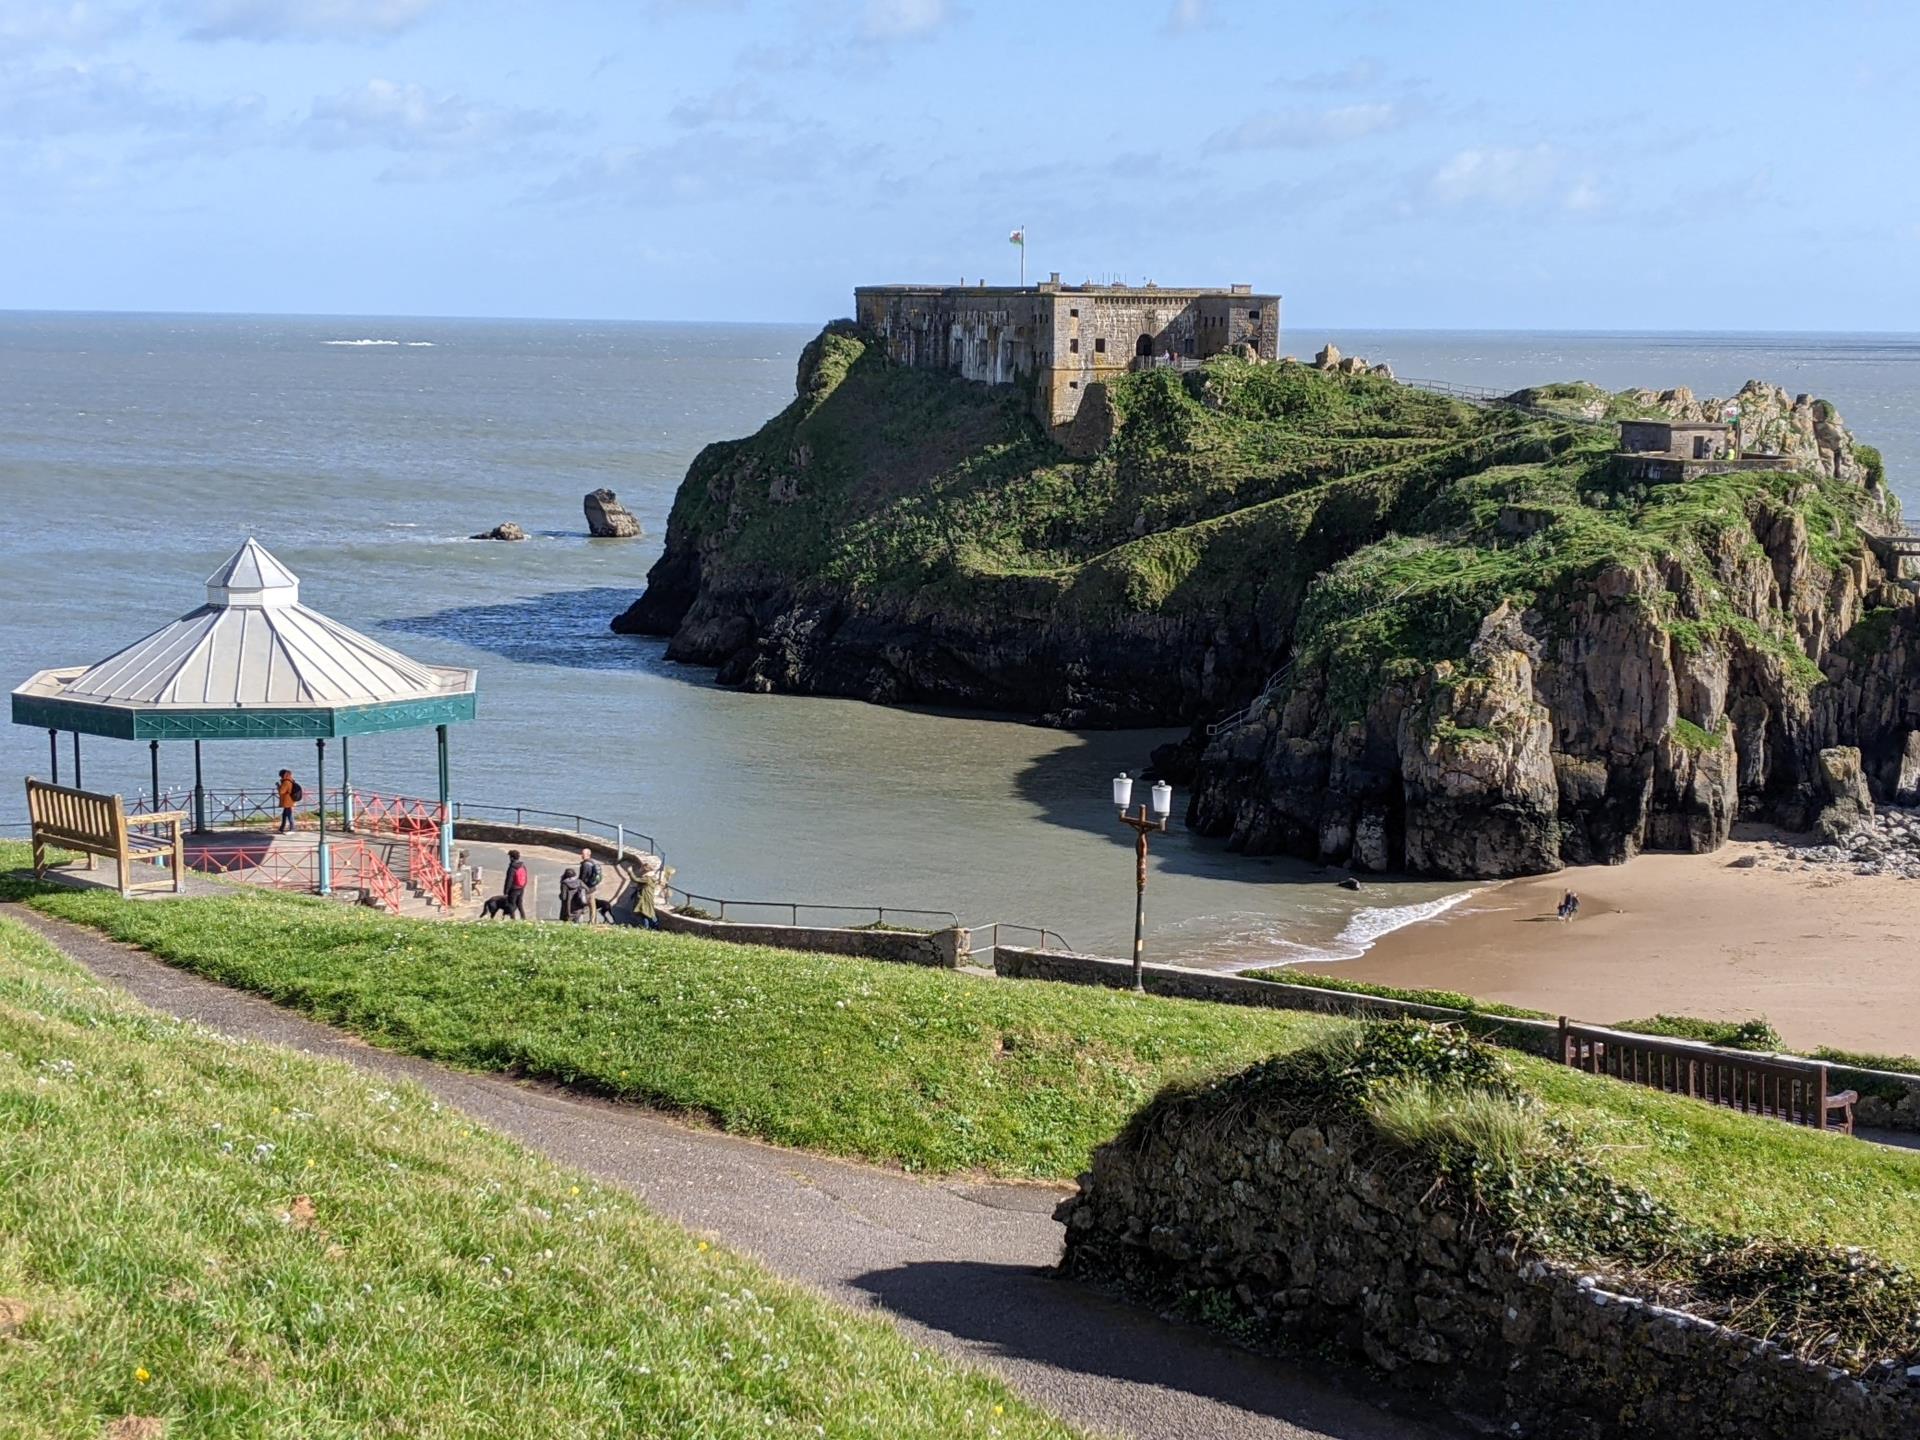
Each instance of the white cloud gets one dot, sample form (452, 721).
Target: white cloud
(77, 25)
(727, 105)
(887, 20)
(386, 115)
(102, 99)
(1188, 15)
(300, 19)
(1511, 176)
(711, 165)
(1310, 129)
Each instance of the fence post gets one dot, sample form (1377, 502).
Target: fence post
(619, 844)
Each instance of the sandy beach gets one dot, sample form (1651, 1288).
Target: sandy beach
(1829, 957)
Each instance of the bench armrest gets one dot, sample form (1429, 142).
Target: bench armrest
(159, 817)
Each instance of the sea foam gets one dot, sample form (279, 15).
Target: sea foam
(1367, 926)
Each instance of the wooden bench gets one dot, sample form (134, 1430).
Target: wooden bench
(98, 825)
(1781, 1087)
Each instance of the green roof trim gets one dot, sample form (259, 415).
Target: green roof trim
(130, 722)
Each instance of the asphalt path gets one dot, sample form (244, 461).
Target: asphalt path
(961, 1264)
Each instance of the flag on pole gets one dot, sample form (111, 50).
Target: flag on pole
(1018, 237)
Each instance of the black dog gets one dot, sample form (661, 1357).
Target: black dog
(605, 907)
(495, 907)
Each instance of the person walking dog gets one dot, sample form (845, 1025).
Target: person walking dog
(590, 878)
(515, 889)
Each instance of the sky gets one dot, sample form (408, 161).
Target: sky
(1476, 164)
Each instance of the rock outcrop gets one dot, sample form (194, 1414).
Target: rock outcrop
(607, 518)
(1443, 639)
(506, 531)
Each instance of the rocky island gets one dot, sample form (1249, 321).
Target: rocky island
(1410, 632)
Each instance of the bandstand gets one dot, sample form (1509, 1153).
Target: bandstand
(253, 663)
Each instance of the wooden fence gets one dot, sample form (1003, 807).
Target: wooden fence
(1781, 1087)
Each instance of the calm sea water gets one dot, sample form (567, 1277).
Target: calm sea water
(137, 451)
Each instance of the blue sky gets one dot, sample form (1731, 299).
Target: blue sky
(1552, 165)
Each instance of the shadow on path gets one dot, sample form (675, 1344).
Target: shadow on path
(1019, 1313)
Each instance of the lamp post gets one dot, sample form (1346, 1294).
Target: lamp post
(1142, 826)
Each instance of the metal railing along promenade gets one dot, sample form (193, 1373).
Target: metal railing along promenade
(827, 916)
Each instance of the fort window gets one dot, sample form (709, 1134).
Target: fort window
(1074, 346)
(1100, 346)
(1144, 345)
(1253, 314)
(1074, 312)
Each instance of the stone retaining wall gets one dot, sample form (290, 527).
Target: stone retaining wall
(1317, 1236)
(1018, 962)
(939, 948)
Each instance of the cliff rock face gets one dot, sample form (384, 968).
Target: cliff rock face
(1454, 640)
(1646, 706)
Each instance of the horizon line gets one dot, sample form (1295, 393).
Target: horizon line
(10, 312)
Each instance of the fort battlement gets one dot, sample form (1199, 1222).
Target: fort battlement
(1065, 339)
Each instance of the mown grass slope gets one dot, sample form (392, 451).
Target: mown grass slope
(235, 1241)
(928, 1069)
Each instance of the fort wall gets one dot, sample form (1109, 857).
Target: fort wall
(1062, 339)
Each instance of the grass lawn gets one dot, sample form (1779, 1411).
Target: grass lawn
(241, 1241)
(924, 1068)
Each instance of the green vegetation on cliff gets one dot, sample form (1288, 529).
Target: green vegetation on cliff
(1217, 498)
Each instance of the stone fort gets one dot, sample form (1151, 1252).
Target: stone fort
(1064, 340)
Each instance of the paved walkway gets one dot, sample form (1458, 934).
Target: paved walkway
(957, 1263)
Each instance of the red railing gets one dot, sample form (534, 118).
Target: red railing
(425, 871)
(354, 866)
(394, 814)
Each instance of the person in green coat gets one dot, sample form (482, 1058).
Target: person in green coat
(644, 905)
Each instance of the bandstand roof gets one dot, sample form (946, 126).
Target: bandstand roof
(251, 663)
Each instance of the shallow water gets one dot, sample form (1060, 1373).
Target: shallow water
(137, 451)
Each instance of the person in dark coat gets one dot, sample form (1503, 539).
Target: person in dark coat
(515, 888)
(573, 896)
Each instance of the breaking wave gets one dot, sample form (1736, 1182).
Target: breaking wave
(410, 344)
(1367, 926)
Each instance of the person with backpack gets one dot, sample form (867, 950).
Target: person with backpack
(290, 794)
(590, 878)
(515, 890)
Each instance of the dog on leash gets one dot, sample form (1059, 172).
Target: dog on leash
(495, 907)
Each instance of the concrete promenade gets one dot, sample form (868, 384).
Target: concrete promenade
(959, 1263)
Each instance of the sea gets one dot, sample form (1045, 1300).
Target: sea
(136, 451)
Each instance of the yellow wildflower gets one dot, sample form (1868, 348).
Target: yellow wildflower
(142, 1375)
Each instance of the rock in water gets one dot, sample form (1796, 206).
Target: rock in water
(607, 518)
(507, 531)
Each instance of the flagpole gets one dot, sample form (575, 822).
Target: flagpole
(1023, 254)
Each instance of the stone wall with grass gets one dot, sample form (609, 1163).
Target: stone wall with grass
(1396, 1197)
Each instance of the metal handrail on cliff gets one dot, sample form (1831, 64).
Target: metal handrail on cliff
(1482, 396)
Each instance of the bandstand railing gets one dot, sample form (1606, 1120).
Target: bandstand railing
(354, 865)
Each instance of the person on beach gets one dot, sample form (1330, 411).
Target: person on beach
(1569, 907)
(589, 881)
(288, 792)
(572, 896)
(515, 889)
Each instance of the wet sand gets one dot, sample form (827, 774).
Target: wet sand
(1828, 957)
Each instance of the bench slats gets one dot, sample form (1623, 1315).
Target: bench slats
(98, 825)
